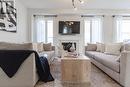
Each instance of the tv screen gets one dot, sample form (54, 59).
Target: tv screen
(69, 27)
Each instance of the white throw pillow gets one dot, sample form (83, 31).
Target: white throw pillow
(113, 49)
(40, 47)
(100, 47)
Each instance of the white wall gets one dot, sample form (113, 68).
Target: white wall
(22, 33)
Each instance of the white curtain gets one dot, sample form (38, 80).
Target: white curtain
(96, 30)
(118, 25)
(122, 28)
(39, 29)
(93, 29)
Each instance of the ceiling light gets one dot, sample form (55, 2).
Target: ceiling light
(73, 3)
(81, 1)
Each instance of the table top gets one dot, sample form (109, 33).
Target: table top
(80, 57)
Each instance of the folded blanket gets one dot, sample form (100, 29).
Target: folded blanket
(11, 60)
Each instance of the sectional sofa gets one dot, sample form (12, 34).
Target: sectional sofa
(116, 66)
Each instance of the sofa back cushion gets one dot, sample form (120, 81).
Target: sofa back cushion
(127, 47)
(100, 47)
(113, 49)
(47, 47)
(91, 47)
(40, 47)
(15, 46)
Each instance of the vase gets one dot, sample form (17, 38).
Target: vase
(72, 48)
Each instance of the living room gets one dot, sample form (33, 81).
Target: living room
(89, 24)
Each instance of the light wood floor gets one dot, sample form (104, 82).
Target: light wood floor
(98, 78)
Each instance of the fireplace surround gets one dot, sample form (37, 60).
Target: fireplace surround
(68, 45)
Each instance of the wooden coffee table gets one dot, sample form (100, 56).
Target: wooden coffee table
(76, 70)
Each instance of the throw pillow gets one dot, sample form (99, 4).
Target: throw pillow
(47, 47)
(100, 47)
(127, 47)
(91, 47)
(113, 49)
(40, 47)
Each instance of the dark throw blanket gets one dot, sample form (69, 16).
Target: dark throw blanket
(11, 60)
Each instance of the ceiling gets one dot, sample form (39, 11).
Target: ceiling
(67, 4)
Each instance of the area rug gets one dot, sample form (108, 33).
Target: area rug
(98, 78)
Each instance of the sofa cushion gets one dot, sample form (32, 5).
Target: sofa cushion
(108, 60)
(113, 49)
(47, 47)
(127, 47)
(90, 53)
(40, 47)
(91, 47)
(100, 47)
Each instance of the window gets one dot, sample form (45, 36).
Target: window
(122, 28)
(92, 30)
(49, 31)
(43, 29)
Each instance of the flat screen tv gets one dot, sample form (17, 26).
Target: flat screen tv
(69, 27)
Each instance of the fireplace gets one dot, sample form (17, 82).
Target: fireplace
(68, 45)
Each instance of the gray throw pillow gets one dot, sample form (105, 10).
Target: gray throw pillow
(91, 47)
(127, 47)
(100, 47)
(47, 47)
(40, 47)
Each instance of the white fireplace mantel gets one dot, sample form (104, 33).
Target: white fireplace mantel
(73, 38)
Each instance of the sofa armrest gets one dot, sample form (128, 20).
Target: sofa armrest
(125, 68)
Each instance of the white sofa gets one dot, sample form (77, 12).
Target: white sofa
(26, 76)
(118, 70)
(50, 54)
